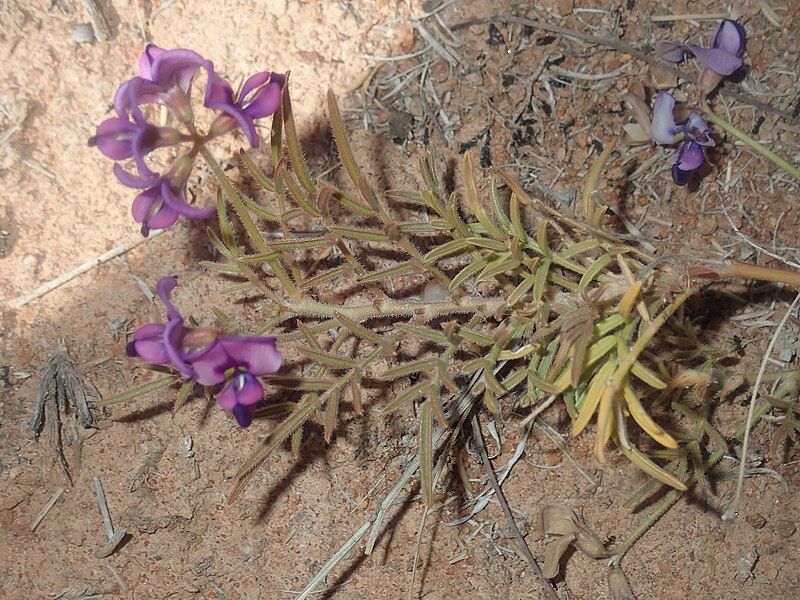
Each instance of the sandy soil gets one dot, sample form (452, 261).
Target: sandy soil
(61, 206)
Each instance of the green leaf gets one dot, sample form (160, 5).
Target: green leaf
(139, 391)
(594, 270)
(450, 248)
(417, 366)
(293, 142)
(467, 272)
(408, 396)
(359, 233)
(404, 268)
(256, 173)
(331, 360)
(426, 451)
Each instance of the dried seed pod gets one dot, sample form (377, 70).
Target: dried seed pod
(618, 586)
(553, 551)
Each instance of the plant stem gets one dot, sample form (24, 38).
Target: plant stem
(751, 143)
(383, 308)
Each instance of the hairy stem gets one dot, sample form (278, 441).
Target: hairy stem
(751, 143)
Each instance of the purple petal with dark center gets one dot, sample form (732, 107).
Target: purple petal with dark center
(662, 127)
(244, 389)
(729, 36)
(259, 355)
(699, 130)
(178, 204)
(150, 210)
(690, 156)
(244, 415)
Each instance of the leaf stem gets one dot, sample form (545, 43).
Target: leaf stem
(751, 143)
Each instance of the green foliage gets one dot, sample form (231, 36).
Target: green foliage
(535, 303)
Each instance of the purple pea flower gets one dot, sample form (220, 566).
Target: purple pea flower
(722, 58)
(162, 73)
(164, 197)
(157, 342)
(208, 357)
(239, 360)
(260, 97)
(693, 134)
(119, 138)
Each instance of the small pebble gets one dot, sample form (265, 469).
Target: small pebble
(785, 528)
(83, 34)
(756, 521)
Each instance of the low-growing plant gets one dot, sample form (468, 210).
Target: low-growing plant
(448, 301)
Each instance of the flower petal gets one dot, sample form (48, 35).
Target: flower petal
(662, 127)
(729, 36)
(148, 344)
(218, 92)
(178, 204)
(151, 52)
(690, 156)
(259, 355)
(254, 82)
(244, 415)
(671, 51)
(164, 288)
(681, 177)
(249, 390)
(210, 366)
(177, 67)
(718, 60)
(135, 181)
(114, 138)
(173, 333)
(265, 101)
(227, 397)
(699, 130)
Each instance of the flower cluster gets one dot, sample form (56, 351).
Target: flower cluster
(722, 58)
(166, 78)
(669, 125)
(208, 356)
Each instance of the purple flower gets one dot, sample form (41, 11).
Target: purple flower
(208, 357)
(721, 58)
(692, 133)
(119, 138)
(164, 197)
(237, 360)
(157, 342)
(260, 97)
(689, 158)
(165, 76)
